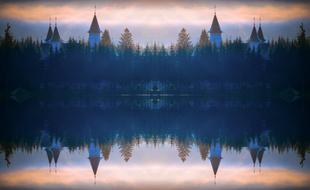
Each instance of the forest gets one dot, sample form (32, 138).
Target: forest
(28, 63)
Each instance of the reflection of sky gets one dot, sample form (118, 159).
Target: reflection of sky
(156, 168)
(155, 22)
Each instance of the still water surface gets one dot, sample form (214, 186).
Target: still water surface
(49, 146)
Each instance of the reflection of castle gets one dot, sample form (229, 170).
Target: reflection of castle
(94, 157)
(53, 151)
(256, 152)
(215, 157)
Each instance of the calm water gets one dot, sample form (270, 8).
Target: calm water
(154, 143)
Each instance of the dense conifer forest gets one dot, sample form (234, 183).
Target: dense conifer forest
(27, 63)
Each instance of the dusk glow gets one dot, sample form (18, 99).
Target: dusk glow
(155, 21)
(146, 173)
(154, 94)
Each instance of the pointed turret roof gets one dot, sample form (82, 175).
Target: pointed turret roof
(94, 162)
(253, 147)
(49, 34)
(49, 155)
(260, 34)
(253, 153)
(260, 155)
(254, 36)
(94, 27)
(215, 27)
(215, 162)
(94, 157)
(56, 148)
(215, 156)
(56, 36)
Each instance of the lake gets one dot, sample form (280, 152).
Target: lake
(154, 142)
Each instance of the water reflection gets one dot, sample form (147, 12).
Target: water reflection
(147, 170)
(143, 148)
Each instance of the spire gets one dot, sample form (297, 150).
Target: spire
(253, 148)
(94, 157)
(214, 9)
(260, 32)
(254, 37)
(56, 148)
(215, 27)
(49, 156)
(215, 157)
(56, 36)
(49, 32)
(94, 27)
(260, 155)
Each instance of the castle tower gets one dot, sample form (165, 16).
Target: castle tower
(215, 157)
(260, 33)
(94, 32)
(94, 157)
(254, 40)
(215, 32)
(56, 149)
(56, 40)
(49, 154)
(253, 148)
(49, 34)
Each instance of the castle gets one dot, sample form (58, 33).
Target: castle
(255, 41)
(53, 37)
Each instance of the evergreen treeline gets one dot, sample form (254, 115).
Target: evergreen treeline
(281, 62)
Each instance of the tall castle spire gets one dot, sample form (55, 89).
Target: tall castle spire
(94, 31)
(56, 36)
(215, 31)
(254, 37)
(260, 32)
(94, 27)
(49, 32)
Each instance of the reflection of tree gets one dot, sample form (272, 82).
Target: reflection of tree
(126, 149)
(8, 149)
(184, 149)
(301, 151)
(8, 152)
(204, 150)
(106, 149)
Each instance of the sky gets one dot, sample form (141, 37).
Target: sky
(154, 20)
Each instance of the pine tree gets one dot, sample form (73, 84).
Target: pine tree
(106, 150)
(8, 38)
(204, 39)
(126, 45)
(172, 51)
(105, 39)
(204, 150)
(138, 50)
(184, 149)
(155, 49)
(184, 44)
(126, 149)
(302, 35)
(147, 51)
(162, 51)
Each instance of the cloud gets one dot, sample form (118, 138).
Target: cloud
(174, 14)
